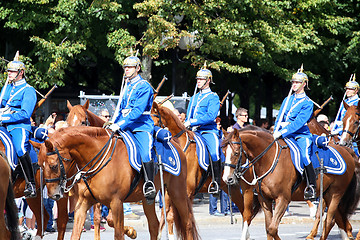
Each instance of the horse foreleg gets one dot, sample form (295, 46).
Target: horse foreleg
(62, 218)
(314, 230)
(35, 206)
(118, 219)
(266, 205)
(344, 225)
(280, 208)
(82, 206)
(97, 216)
(129, 231)
(358, 236)
(153, 222)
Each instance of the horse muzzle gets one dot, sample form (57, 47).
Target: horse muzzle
(57, 194)
(232, 180)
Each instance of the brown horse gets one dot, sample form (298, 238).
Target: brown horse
(351, 128)
(111, 179)
(269, 162)
(80, 115)
(164, 117)
(35, 204)
(350, 125)
(8, 228)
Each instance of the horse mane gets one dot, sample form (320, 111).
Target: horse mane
(173, 116)
(61, 136)
(250, 129)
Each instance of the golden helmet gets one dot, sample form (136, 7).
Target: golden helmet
(131, 61)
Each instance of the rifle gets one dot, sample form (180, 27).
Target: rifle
(317, 111)
(159, 86)
(41, 101)
(224, 98)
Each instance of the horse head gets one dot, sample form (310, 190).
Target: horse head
(164, 117)
(80, 115)
(243, 149)
(350, 124)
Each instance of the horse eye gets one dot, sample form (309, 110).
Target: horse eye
(236, 153)
(53, 167)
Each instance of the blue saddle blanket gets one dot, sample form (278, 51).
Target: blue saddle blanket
(9, 147)
(333, 161)
(169, 155)
(202, 152)
(38, 134)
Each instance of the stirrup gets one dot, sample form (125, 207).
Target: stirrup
(213, 188)
(30, 190)
(310, 192)
(149, 191)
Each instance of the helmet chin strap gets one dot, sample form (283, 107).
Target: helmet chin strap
(11, 81)
(132, 75)
(201, 88)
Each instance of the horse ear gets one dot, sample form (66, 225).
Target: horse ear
(49, 146)
(86, 105)
(35, 144)
(68, 104)
(345, 105)
(224, 132)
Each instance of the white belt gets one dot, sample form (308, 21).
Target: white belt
(146, 113)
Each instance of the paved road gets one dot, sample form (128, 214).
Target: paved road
(295, 226)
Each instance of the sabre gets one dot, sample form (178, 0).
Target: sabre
(163, 192)
(167, 98)
(41, 202)
(321, 161)
(283, 111)
(119, 100)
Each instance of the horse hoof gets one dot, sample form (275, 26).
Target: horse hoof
(131, 232)
(310, 237)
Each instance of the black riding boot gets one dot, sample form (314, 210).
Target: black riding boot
(214, 187)
(30, 187)
(149, 187)
(310, 190)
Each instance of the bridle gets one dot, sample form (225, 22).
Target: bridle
(95, 168)
(86, 122)
(354, 135)
(161, 124)
(240, 169)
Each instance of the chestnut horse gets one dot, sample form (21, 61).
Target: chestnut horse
(35, 204)
(164, 117)
(80, 115)
(351, 128)
(269, 161)
(350, 125)
(8, 228)
(110, 181)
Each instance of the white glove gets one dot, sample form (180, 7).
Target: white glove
(114, 127)
(187, 124)
(276, 135)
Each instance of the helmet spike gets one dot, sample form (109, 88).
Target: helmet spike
(131, 52)
(301, 68)
(353, 79)
(16, 58)
(205, 65)
(137, 52)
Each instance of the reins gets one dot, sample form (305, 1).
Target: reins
(95, 168)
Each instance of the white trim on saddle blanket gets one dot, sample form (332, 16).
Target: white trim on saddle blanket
(171, 160)
(9, 148)
(333, 161)
(203, 153)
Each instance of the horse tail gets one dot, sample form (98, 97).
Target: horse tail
(351, 198)
(181, 232)
(12, 213)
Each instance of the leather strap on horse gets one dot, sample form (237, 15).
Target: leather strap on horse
(202, 181)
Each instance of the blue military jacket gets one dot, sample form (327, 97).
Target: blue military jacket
(338, 126)
(297, 113)
(20, 97)
(134, 113)
(203, 110)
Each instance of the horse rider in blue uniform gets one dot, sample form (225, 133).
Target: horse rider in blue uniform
(203, 109)
(295, 111)
(134, 115)
(17, 106)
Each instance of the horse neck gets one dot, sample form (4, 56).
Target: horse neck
(173, 126)
(94, 120)
(316, 128)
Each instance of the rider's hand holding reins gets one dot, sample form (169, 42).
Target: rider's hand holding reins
(114, 127)
(276, 135)
(187, 125)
